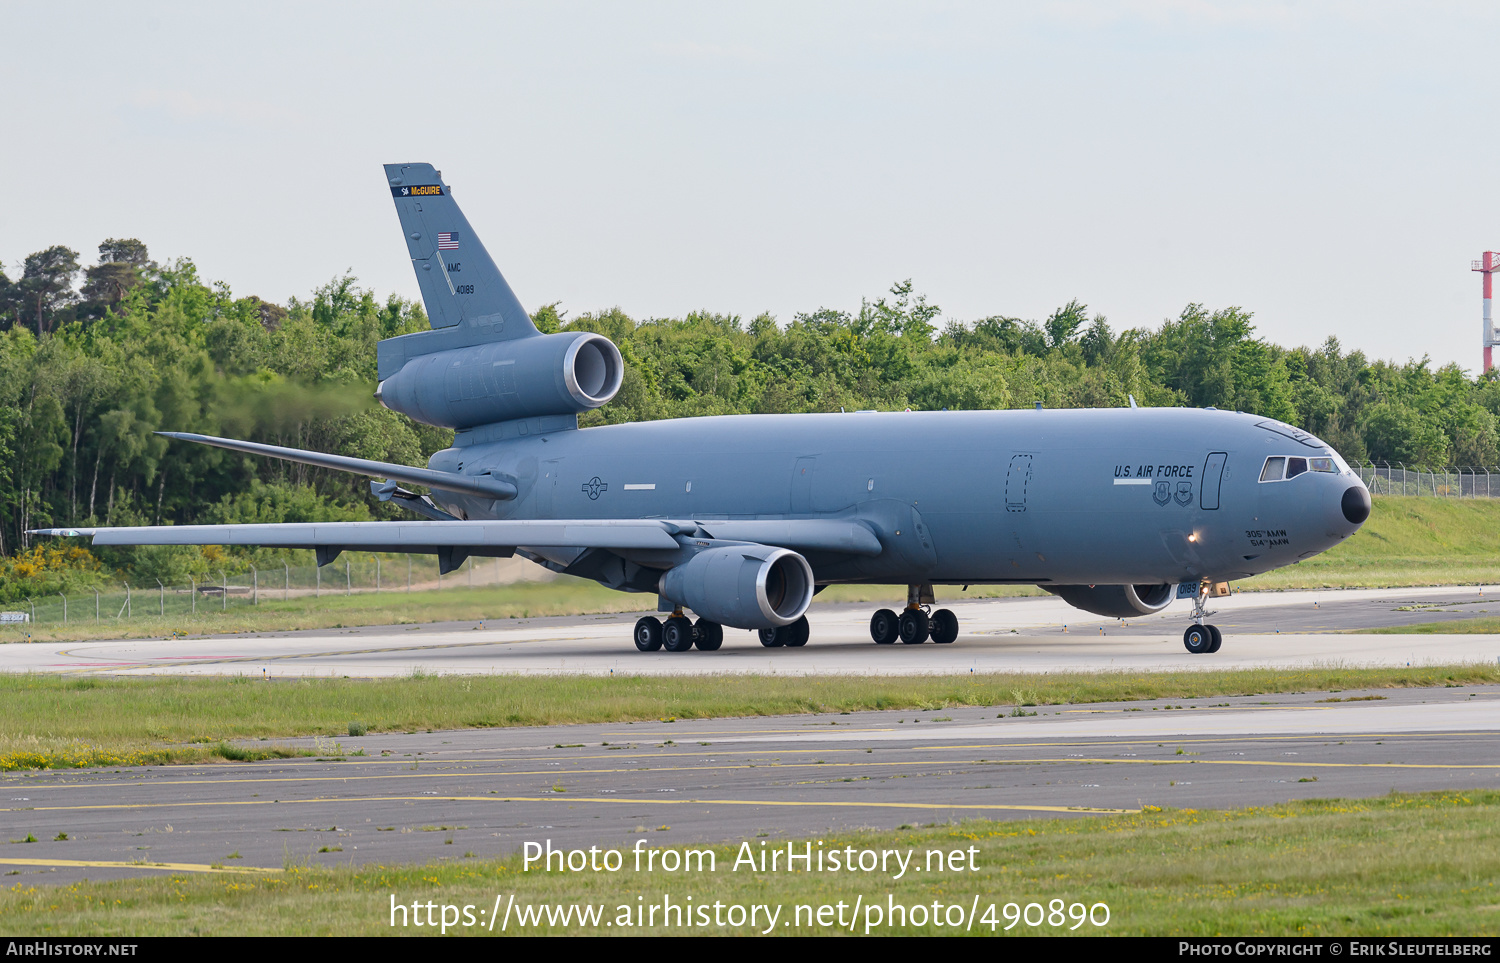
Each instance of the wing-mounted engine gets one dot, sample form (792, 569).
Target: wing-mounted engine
(1115, 601)
(464, 387)
(744, 586)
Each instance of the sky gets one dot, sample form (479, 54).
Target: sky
(1321, 165)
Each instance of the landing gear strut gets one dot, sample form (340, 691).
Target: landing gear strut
(917, 622)
(1200, 638)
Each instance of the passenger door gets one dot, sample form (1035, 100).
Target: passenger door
(1213, 476)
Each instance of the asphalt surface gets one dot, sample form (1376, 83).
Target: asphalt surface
(455, 795)
(1280, 630)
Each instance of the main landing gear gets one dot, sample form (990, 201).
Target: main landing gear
(1199, 638)
(677, 634)
(793, 636)
(914, 625)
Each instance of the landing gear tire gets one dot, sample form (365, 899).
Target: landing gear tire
(797, 633)
(677, 634)
(944, 626)
(1198, 639)
(1218, 638)
(708, 635)
(914, 625)
(648, 634)
(884, 627)
(773, 638)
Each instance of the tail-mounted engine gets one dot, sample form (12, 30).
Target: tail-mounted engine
(552, 374)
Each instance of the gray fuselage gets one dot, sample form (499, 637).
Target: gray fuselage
(1106, 496)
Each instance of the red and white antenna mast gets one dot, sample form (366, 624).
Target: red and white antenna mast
(1487, 266)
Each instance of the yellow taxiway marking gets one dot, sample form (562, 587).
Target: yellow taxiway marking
(468, 764)
(1170, 761)
(661, 770)
(632, 800)
(730, 739)
(106, 864)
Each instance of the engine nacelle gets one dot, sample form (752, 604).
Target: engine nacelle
(552, 374)
(743, 586)
(1115, 601)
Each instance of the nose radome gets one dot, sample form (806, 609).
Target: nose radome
(1356, 504)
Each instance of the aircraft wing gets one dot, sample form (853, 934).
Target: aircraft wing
(485, 486)
(453, 541)
(840, 535)
(418, 537)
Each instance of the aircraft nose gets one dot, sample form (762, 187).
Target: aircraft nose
(1356, 504)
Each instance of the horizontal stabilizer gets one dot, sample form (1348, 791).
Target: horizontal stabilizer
(485, 486)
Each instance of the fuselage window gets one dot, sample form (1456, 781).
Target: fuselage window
(1322, 464)
(1295, 467)
(1274, 467)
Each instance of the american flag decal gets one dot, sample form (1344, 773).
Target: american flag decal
(448, 242)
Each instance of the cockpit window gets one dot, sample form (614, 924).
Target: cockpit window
(1281, 467)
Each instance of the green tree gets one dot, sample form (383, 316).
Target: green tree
(1398, 434)
(46, 286)
(123, 264)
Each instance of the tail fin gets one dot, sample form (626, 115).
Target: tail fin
(460, 284)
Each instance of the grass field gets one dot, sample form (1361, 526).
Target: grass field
(1489, 625)
(1407, 541)
(1405, 864)
(58, 722)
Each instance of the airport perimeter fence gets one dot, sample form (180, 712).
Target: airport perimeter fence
(354, 573)
(1459, 482)
(349, 574)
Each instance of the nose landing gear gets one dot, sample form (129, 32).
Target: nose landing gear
(1199, 638)
(1202, 639)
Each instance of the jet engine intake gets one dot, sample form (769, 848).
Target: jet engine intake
(1115, 601)
(744, 586)
(552, 374)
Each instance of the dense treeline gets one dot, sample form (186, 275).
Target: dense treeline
(89, 370)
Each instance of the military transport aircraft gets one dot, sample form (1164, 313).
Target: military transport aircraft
(741, 519)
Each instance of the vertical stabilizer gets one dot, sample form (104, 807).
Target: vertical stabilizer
(460, 284)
